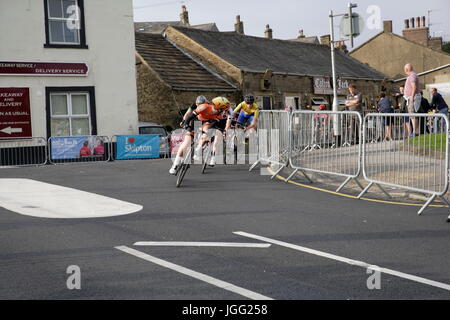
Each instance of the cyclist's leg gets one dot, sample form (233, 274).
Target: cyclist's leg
(187, 142)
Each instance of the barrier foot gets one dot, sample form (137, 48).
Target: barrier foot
(445, 200)
(359, 184)
(426, 204)
(343, 184)
(365, 190)
(254, 165)
(276, 173)
(383, 190)
(306, 176)
(292, 174)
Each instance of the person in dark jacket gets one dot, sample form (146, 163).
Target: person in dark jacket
(384, 105)
(424, 108)
(438, 103)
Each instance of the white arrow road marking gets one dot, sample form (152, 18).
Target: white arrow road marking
(194, 274)
(10, 130)
(39, 199)
(201, 244)
(346, 260)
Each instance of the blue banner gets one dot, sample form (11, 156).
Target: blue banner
(67, 147)
(137, 147)
(86, 147)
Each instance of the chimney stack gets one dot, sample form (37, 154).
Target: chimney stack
(184, 16)
(239, 25)
(301, 35)
(268, 33)
(326, 40)
(387, 26)
(417, 31)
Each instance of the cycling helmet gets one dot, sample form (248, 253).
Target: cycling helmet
(201, 100)
(221, 103)
(249, 98)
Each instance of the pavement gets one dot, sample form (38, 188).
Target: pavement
(290, 242)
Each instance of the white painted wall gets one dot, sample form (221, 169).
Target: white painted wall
(110, 37)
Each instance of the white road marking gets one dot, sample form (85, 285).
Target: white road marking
(346, 260)
(194, 274)
(202, 244)
(39, 199)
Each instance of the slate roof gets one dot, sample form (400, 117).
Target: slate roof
(256, 54)
(160, 26)
(175, 68)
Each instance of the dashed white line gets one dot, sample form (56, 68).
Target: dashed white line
(346, 260)
(201, 244)
(194, 274)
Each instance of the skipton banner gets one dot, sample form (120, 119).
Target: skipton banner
(138, 147)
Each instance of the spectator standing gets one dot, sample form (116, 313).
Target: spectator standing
(353, 103)
(438, 103)
(412, 96)
(385, 106)
(424, 108)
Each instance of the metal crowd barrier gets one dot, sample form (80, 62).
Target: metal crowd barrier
(391, 157)
(75, 149)
(19, 152)
(273, 139)
(326, 142)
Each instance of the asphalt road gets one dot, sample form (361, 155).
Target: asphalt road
(35, 252)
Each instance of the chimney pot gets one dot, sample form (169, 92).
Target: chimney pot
(184, 16)
(239, 25)
(412, 23)
(418, 22)
(268, 33)
(423, 22)
(406, 23)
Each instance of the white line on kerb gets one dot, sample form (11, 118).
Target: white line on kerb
(346, 260)
(201, 244)
(194, 274)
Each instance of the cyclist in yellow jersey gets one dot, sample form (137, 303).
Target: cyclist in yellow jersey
(247, 113)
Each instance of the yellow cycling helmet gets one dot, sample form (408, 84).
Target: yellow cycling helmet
(221, 103)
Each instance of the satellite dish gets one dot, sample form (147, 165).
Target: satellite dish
(358, 26)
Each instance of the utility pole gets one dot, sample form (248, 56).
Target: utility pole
(333, 62)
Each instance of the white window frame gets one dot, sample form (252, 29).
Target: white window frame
(50, 19)
(69, 115)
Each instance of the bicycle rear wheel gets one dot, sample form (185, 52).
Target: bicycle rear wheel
(181, 173)
(207, 158)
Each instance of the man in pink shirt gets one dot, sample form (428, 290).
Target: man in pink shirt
(412, 96)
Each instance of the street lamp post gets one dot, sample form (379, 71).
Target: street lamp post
(333, 62)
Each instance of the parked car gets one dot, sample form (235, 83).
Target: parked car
(156, 128)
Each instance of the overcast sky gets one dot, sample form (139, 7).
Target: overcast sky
(287, 17)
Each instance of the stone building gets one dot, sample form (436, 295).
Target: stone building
(168, 80)
(389, 52)
(278, 72)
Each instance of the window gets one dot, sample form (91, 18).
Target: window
(64, 24)
(153, 130)
(293, 102)
(319, 101)
(264, 103)
(70, 112)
